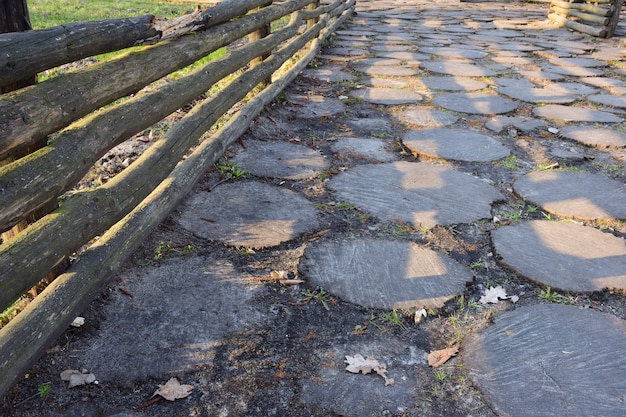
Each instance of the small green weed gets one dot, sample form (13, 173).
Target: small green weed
(401, 228)
(612, 169)
(161, 250)
(330, 207)
(327, 173)
(380, 135)
(44, 390)
(392, 317)
(514, 216)
(574, 169)
(229, 170)
(552, 296)
(8, 314)
(320, 295)
(479, 264)
(511, 162)
(347, 84)
(441, 375)
(246, 251)
(164, 249)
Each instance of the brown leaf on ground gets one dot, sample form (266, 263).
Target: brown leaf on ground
(173, 390)
(439, 357)
(76, 378)
(358, 363)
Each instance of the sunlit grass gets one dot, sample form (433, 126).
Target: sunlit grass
(47, 13)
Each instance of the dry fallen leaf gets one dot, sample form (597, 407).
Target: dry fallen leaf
(77, 322)
(173, 390)
(284, 278)
(76, 378)
(439, 357)
(358, 363)
(492, 295)
(419, 315)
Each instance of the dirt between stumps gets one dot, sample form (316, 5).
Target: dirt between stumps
(256, 372)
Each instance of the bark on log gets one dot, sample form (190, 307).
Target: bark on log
(27, 337)
(589, 30)
(583, 16)
(28, 53)
(599, 11)
(27, 258)
(14, 18)
(29, 115)
(35, 51)
(220, 13)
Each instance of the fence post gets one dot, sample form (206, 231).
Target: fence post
(312, 6)
(14, 18)
(260, 34)
(616, 8)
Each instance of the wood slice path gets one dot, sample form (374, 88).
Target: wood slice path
(435, 151)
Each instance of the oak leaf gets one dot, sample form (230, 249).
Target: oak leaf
(76, 378)
(437, 358)
(358, 363)
(173, 390)
(494, 294)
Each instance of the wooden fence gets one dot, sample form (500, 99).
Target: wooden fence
(593, 17)
(52, 133)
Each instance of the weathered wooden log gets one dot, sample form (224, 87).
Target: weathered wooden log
(26, 54)
(29, 115)
(201, 20)
(27, 258)
(15, 19)
(315, 12)
(590, 30)
(599, 11)
(615, 14)
(583, 16)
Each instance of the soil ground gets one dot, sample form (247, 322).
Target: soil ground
(255, 372)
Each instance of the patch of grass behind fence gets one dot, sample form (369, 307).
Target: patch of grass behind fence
(47, 13)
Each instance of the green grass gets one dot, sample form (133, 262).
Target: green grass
(511, 162)
(229, 170)
(44, 390)
(47, 13)
(320, 295)
(552, 296)
(394, 317)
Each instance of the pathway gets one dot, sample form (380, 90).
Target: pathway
(427, 156)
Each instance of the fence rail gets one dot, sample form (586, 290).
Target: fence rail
(593, 17)
(67, 111)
